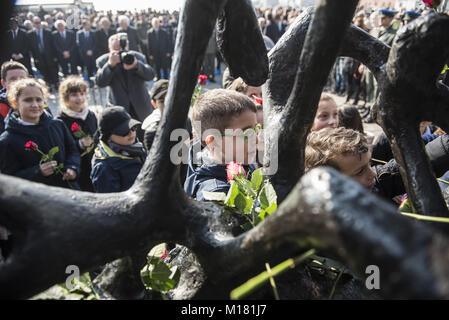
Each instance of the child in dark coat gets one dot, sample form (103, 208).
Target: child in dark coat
(349, 152)
(73, 95)
(225, 124)
(119, 156)
(30, 127)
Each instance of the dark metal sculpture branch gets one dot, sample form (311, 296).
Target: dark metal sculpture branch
(53, 228)
(408, 90)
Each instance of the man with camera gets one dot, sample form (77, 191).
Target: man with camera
(124, 72)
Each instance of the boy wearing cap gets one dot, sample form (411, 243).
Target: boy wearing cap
(119, 156)
(151, 123)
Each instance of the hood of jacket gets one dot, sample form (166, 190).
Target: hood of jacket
(14, 126)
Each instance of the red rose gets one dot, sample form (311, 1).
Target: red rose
(164, 255)
(202, 79)
(75, 127)
(234, 168)
(30, 145)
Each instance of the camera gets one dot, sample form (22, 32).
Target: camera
(126, 57)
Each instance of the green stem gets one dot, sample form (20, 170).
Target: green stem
(331, 296)
(254, 283)
(273, 284)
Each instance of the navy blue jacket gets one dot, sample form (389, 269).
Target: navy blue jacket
(85, 44)
(15, 160)
(207, 177)
(113, 172)
(89, 126)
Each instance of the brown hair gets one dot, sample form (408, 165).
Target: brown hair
(12, 65)
(17, 87)
(326, 97)
(324, 145)
(71, 84)
(216, 108)
(349, 118)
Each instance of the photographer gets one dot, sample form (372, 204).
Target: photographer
(124, 73)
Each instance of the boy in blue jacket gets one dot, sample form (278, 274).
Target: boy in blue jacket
(225, 126)
(119, 156)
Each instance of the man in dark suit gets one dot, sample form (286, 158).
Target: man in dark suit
(44, 53)
(18, 48)
(275, 28)
(159, 46)
(86, 46)
(133, 35)
(125, 82)
(102, 35)
(65, 44)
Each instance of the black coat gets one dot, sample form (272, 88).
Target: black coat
(19, 44)
(127, 87)
(101, 41)
(49, 53)
(15, 160)
(89, 126)
(158, 44)
(133, 37)
(67, 44)
(85, 44)
(272, 31)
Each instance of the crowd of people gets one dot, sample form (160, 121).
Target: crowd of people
(103, 150)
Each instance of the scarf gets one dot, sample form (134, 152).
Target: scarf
(77, 115)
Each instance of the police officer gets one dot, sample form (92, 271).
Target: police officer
(385, 33)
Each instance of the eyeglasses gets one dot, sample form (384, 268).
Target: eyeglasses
(247, 133)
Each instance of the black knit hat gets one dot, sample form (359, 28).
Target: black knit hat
(115, 120)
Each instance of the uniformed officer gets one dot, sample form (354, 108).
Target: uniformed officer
(385, 33)
(409, 16)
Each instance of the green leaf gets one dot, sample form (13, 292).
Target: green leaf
(232, 194)
(256, 179)
(160, 277)
(268, 197)
(155, 254)
(78, 134)
(272, 208)
(52, 152)
(214, 196)
(243, 203)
